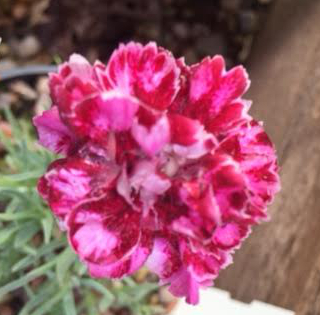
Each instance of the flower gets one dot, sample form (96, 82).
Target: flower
(162, 164)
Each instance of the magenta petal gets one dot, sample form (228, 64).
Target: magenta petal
(146, 181)
(152, 139)
(65, 184)
(121, 67)
(119, 111)
(77, 69)
(53, 134)
(157, 77)
(227, 236)
(205, 78)
(229, 118)
(128, 264)
(95, 116)
(184, 285)
(164, 259)
(183, 130)
(147, 72)
(211, 88)
(107, 219)
(233, 85)
(69, 182)
(93, 241)
(255, 154)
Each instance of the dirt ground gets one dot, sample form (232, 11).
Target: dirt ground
(46, 30)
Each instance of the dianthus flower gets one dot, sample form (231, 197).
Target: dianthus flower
(162, 164)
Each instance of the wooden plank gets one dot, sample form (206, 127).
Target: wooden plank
(280, 262)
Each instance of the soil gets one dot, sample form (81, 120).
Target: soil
(44, 30)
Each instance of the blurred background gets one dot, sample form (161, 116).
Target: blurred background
(279, 43)
(39, 29)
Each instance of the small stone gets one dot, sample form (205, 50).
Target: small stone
(153, 32)
(141, 275)
(7, 99)
(5, 129)
(23, 89)
(248, 22)
(6, 310)
(27, 47)
(154, 299)
(4, 49)
(265, 2)
(232, 5)
(212, 45)
(117, 284)
(200, 30)
(19, 11)
(190, 56)
(165, 296)
(246, 48)
(181, 30)
(6, 64)
(42, 85)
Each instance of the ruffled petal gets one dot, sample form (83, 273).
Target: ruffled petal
(152, 139)
(229, 235)
(206, 78)
(72, 83)
(230, 117)
(121, 68)
(183, 130)
(204, 143)
(148, 182)
(232, 86)
(253, 150)
(53, 134)
(110, 111)
(98, 230)
(128, 264)
(148, 72)
(165, 258)
(66, 183)
(69, 182)
(212, 88)
(183, 284)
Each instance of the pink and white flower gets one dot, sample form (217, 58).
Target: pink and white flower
(162, 164)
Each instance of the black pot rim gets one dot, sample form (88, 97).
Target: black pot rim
(26, 71)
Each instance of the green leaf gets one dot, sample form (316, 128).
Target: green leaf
(6, 233)
(44, 294)
(7, 142)
(143, 289)
(48, 305)
(98, 287)
(26, 233)
(44, 250)
(64, 262)
(69, 304)
(16, 193)
(16, 129)
(80, 268)
(21, 177)
(21, 215)
(47, 226)
(12, 206)
(35, 273)
(134, 294)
